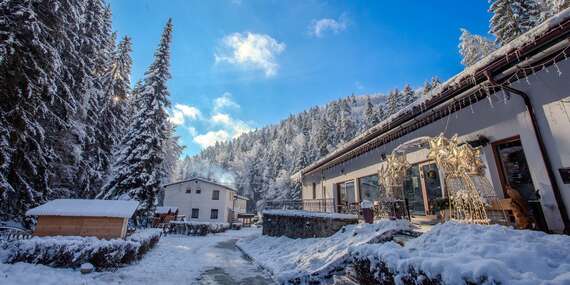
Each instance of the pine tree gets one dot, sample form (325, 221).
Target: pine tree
(97, 46)
(346, 128)
(172, 152)
(36, 38)
(138, 172)
(371, 116)
(511, 18)
(393, 103)
(553, 7)
(474, 47)
(408, 96)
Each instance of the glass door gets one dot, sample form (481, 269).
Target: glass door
(431, 184)
(515, 174)
(413, 191)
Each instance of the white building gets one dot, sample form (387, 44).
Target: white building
(514, 104)
(205, 201)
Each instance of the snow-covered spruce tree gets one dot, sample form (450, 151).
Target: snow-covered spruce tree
(36, 39)
(474, 47)
(408, 96)
(371, 116)
(393, 103)
(137, 172)
(512, 18)
(97, 46)
(113, 105)
(346, 128)
(172, 152)
(553, 7)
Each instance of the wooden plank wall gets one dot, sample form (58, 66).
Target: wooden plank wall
(101, 227)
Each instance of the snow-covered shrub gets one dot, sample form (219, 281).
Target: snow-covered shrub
(304, 261)
(197, 228)
(146, 238)
(453, 253)
(72, 251)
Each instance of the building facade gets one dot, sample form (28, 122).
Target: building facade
(514, 105)
(202, 200)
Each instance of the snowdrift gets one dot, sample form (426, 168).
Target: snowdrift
(453, 253)
(302, 260)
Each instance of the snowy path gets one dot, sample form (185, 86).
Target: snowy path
(176, 260)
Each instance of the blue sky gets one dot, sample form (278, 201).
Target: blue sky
(240, 65)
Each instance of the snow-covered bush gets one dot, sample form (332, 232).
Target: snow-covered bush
(72, 251)
(304, 261)
(197, 228)
(454, 253)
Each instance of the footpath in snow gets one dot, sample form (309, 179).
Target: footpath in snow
(288, 258)
(177, 259)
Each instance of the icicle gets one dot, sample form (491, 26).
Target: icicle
(526, 77)
(504, 98)
(490, 102)
(518, 56)
(557, 69)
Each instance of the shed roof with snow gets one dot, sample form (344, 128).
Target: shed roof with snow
(165, 210)
(86, 208)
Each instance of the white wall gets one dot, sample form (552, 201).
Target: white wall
(175, 195)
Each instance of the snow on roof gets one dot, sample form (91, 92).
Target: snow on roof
(467, 73)
(165, 209)
(307, 214)
(203, 180)
(86, 208)
(242, 197)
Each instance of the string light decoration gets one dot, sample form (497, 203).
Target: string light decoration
(470, 193)
(392, 175)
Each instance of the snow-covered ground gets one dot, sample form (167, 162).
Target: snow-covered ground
(176, 259)
(288, 258)
(498, 254)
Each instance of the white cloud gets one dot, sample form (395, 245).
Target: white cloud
(222, 118)
(180, 112)
(257, 51)
(319, 28)
(224, 102)
(188, 111)
(210, 138)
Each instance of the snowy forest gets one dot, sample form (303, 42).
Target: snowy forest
(70, 125)
(260, 163)
(74, 125)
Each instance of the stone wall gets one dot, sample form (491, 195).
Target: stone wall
(297, 224)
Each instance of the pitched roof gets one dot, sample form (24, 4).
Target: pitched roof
(203, 180)
(86, 208)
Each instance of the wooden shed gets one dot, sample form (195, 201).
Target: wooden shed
(105, 219)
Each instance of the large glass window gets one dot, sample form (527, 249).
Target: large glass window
(346, 193)
(369, 188)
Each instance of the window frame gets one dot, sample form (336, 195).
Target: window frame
(212, 211)
(215, 197)
(197, 213)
